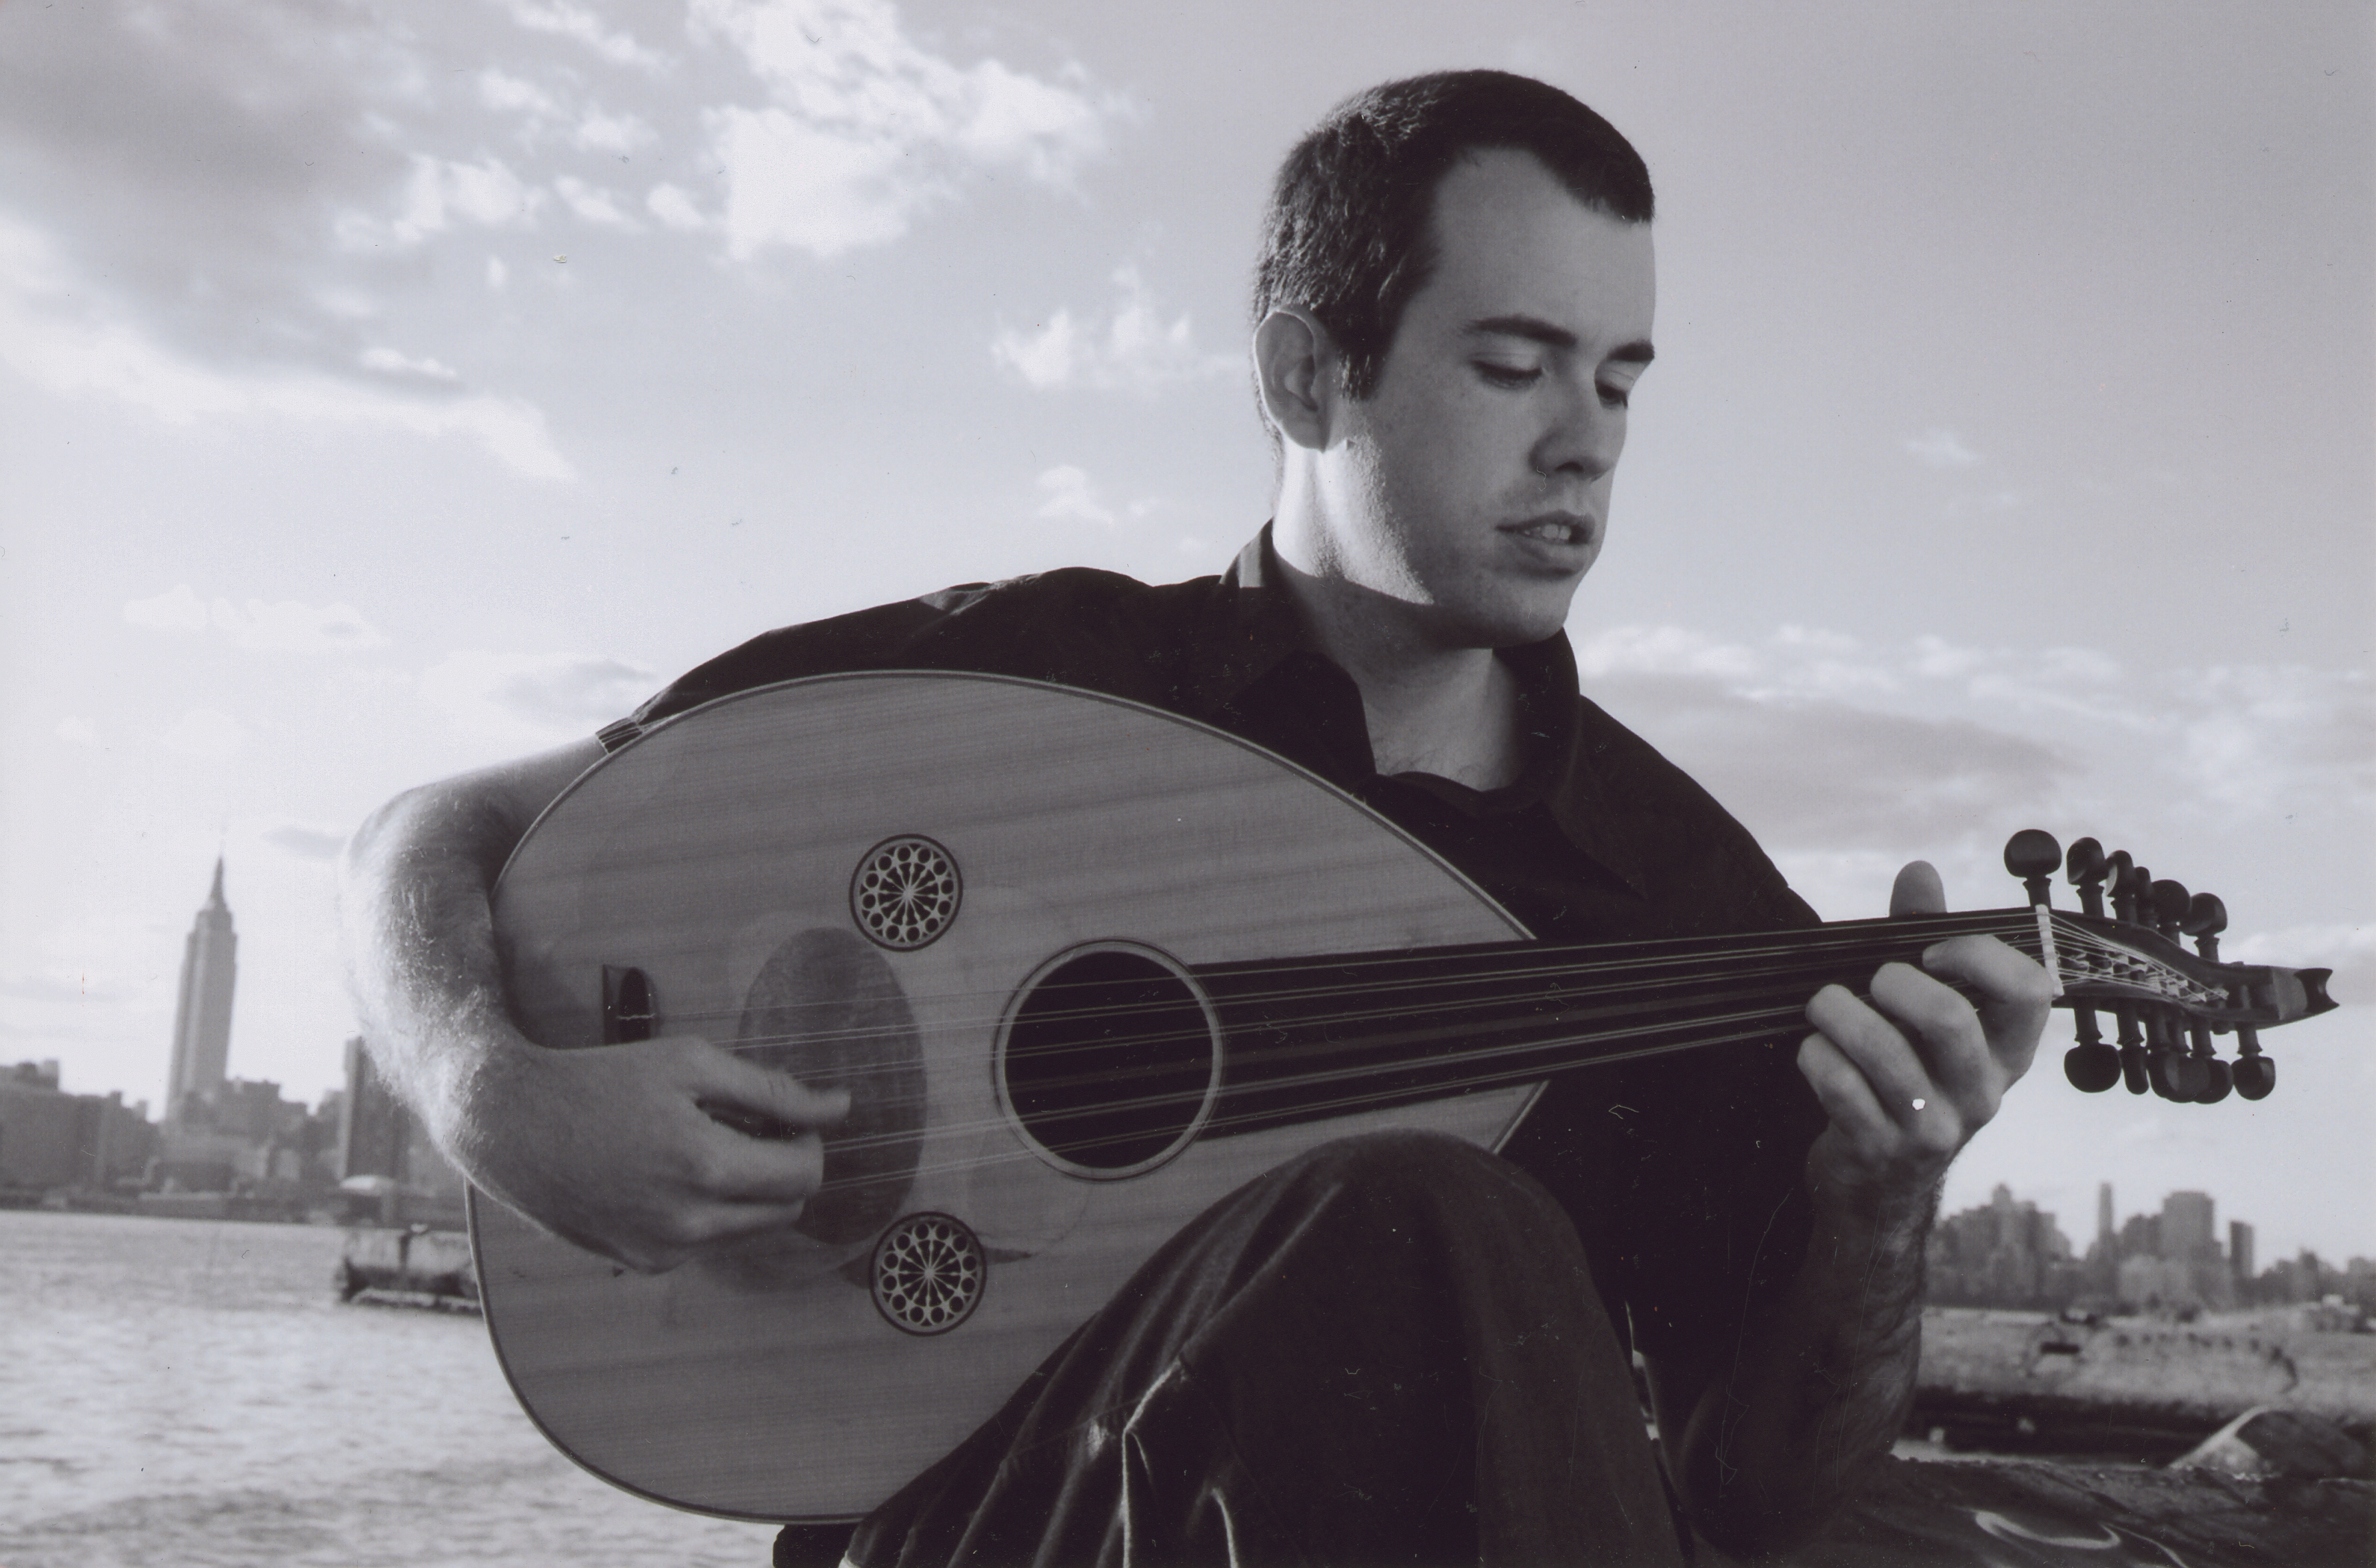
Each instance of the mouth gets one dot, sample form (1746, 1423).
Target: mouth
(1555, 528)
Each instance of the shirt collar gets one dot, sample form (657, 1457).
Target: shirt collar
(1255, 627)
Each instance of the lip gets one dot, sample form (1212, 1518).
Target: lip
(1582, 527)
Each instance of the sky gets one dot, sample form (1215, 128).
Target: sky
(386, 391)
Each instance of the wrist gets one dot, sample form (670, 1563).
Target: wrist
(1879, 1208)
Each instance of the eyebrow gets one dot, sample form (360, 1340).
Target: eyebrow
(1551, 335)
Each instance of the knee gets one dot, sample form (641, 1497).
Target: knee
(1411, 1177)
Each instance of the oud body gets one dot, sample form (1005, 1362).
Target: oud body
(717, 862)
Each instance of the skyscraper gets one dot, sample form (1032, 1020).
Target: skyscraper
(2103, 1214)
(202, 1014)
(2188, 1226)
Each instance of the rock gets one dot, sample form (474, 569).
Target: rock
(2264, 1441)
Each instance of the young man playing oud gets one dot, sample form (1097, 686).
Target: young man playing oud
(1399, 1347)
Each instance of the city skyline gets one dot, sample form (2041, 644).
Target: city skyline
(198, 1062)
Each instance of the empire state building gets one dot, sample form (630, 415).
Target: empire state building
(202, 1016)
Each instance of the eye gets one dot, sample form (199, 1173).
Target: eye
(1613, 395)
(1510, 378)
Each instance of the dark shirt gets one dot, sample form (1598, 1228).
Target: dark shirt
(1680, 1172)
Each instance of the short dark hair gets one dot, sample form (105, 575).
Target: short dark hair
(1346, 234)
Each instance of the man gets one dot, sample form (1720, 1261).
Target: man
(1396, 1349)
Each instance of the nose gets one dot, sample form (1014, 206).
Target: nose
(1585, 437)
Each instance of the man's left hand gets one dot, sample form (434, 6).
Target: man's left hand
(1910, 1073)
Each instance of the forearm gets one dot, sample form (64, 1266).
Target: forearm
(1823, 1378)
(421, 951)
(421, 958)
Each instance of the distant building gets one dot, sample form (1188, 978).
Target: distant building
(2188, 1226)
(2104, 1214)
(50, 1140)
(243, 1138)
(2240, 1254)
(2005, 1254)
(378, 1135)
(2140, 1236)
(202, 1011)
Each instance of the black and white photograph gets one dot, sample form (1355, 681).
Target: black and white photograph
(992, 782)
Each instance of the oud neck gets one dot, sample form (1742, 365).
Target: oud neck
(1353, 1031)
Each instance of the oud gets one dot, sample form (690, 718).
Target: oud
(1086, 967)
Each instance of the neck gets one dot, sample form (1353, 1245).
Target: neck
(1450, 710)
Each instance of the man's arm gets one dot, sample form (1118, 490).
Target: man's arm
(1766, 1436)
(611, 1147)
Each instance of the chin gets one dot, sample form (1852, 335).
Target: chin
(1510, 626)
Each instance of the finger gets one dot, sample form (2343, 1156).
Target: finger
(2013, 995)
(773, 1102)
(732, 1167)
(1944, 1032)
(726, 1222)
(1844, 1092)
(1917, 891)
(1875, 1049)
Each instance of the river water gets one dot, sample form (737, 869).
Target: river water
(190, 1392)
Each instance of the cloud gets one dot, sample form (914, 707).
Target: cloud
(533, 697)
(389, 362)
(53, 332)
(675, 208)
(575, 22)
(1128, 346)
(239, 247)
(1941, 449)
(175, 610)
(617, 134)
(48, 988)
(864, 129)
(508, 94)
(2267, 737)
(287, 627)
(1069, 495)
(1845, 757)
(440, 194)
(291, 627)
(1814, 771)
(593, 204)
(307, 843)
(206, 734)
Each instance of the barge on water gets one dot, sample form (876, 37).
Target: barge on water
(414, 1266)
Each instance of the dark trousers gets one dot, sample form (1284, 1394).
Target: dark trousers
(1388, 1350)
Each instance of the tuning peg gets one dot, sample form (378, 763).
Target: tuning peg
(2135, 1072)
(2092, 1066)
(2176, 1075)
(2166, 904)
(2216, 1081)
(2254, 1073)
(2173, 1073)
(2206, 917)
(2032, 854)
(2086, 866)
(2123, 881)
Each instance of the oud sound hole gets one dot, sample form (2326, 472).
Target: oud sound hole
(1108, 1062)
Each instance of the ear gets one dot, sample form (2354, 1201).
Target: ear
(1295, 366)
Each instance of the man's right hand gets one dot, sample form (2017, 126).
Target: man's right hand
(610, 1146)
(615, 1147)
